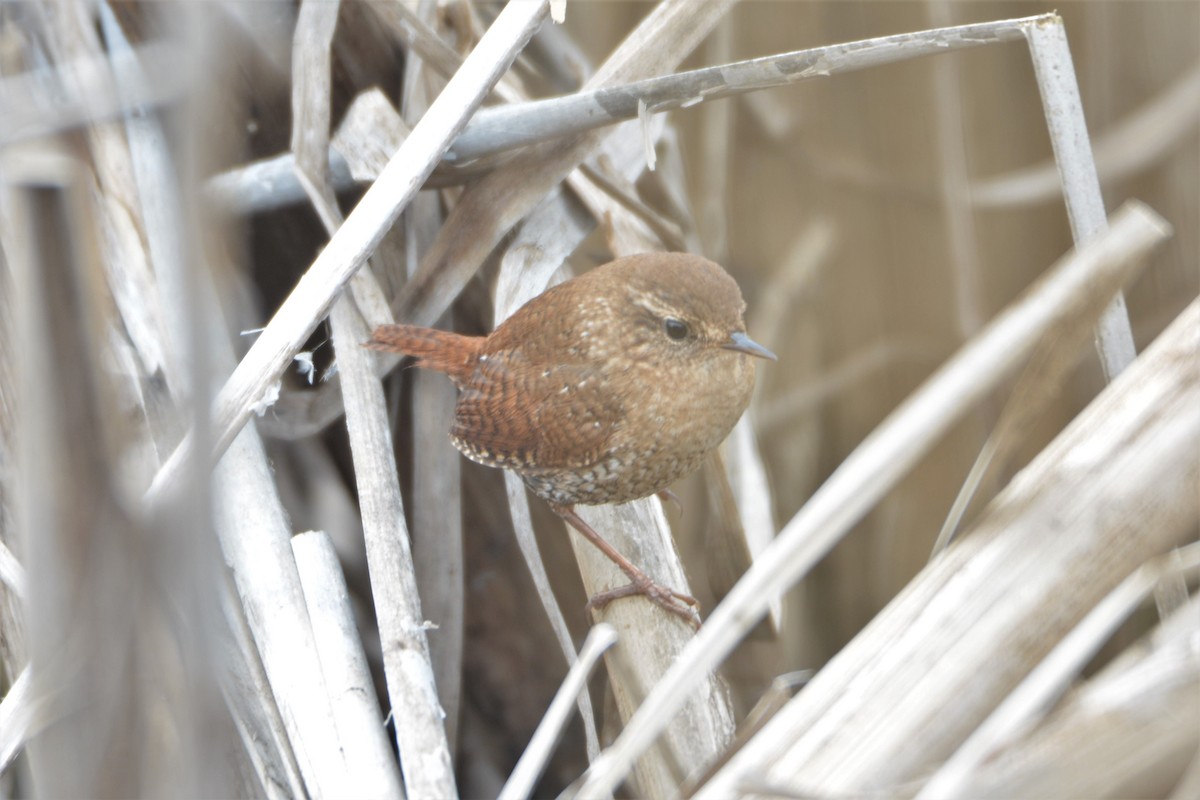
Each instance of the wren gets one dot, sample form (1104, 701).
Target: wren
(604, 389)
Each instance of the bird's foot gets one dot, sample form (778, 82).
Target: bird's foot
(681, 605)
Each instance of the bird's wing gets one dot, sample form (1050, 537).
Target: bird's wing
(519, 415)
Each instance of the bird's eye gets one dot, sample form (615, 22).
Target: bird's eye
(676, 329)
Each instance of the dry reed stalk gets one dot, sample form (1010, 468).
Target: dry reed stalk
(371, 768)
(420, 734)
(1063, 110)
(1106, 495)
(251, 699)
(1126, 731)
(101, 88)
(529, 768)
(1024, 707)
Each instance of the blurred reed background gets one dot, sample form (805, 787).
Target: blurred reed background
(876, 221)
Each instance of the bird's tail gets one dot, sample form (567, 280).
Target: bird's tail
(444, 351)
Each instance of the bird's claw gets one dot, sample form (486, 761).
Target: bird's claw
(681, 605)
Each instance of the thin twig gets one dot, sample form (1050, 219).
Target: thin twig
(504, 127)
(537, 753)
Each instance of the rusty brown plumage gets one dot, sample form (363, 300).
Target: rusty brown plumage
(604, 389)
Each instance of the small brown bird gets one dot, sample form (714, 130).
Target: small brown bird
(603, 389)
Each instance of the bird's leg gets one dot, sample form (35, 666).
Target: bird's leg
(681, 605)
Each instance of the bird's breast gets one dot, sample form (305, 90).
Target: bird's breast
(666, 430)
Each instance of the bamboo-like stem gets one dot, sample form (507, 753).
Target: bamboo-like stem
(270, 183)
(1020, 709)
(251, 701)
(1105, 495)
(370, 764)
(504, 127)
(424, 752)
(1081, 185)
(1132, 722)
(255, 539)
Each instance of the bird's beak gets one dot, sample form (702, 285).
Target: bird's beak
(744, 344)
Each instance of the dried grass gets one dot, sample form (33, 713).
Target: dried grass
(174, 174)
